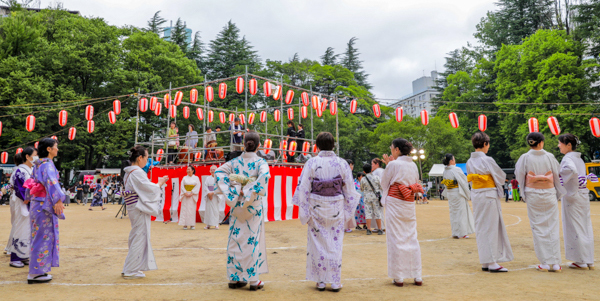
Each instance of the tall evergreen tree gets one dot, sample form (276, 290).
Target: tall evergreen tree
(329, 58)
(155, 23)
(197, 51)
(179, 36)
(229, 53)
(351, 62)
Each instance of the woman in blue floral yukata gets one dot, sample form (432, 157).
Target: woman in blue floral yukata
(244, 182)
(97, 200)
(46, 199)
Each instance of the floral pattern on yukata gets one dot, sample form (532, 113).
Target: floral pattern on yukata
(360, 209)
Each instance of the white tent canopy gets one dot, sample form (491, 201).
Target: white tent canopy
(437, 170)
(109, 171)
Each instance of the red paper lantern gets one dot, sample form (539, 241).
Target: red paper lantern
(159, 154)
(278, 91)
(89, 112)
(209, 93)
(222, 117)
(333, 108)
(315, 149)
(30, 123)
(290, 113)
(263, 116)
(324, 102)
(198, 156)
(153, 102)
(315, 102)
(251, 117)
(304, 97)
(242, 119)
(36, 144)
(283, 147)
(424, 117)
(143, 105)
(186, 112)
(399, 114)
(222, 90)
(72, 133)
(4, 157)
(305, 148)
(289, 96)
(377, 110)
(200, 113)
(319, 112)
(90, 126)
(304, 112)
(482, 122)
(253, 86)
(167, 100)
(19, 150)
(54, 137)
(595, 126)
(117, 107)
(267, 146)
(62, 117)
(211, 116)
(178, 98)
(292, 148)
(112, 117)
(277, 115)
(533, 124)
(193, 96)
(353, 106)
(267, 89)
(157, 109)
(239, 85)
(173, 111)
(231, 117)
(553, 125)
(453, 120)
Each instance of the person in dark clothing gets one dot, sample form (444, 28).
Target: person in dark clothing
(300, 134)
(79, 193)
(291, 133)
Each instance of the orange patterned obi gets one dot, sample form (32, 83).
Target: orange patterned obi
(405, 193)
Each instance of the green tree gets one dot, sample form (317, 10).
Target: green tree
(179, 36)
(351, 62)
(197, 51)
(155, 23)
(329, 58)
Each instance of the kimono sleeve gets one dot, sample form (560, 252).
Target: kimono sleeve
(351, 196)
(222, 178)
(568, 170)
(498, 174)
(460, 177)
(19, 180)
(197, 187)
(303, 191)
(54, 192)
(560, 190)
(147, 191)
(386, 178)
(262, 182)
(521, 173)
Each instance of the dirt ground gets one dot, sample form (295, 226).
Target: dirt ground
(192, 263)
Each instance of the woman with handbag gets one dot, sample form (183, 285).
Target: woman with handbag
(143, 199)
(371, 187)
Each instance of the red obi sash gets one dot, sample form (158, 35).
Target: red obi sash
(405, 193)
(36, 189)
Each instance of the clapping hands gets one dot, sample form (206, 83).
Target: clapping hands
(387, 159)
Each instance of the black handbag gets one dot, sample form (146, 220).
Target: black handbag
(377, 193)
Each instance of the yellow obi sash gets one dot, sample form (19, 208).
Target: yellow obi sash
(481, 181)
(189, 187)
(450, 184)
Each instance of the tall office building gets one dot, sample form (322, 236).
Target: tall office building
(167, 33)
(423, 92)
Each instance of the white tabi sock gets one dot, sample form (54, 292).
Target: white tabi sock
(493, 266)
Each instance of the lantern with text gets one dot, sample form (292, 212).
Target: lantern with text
(239, 85)
(305, 148)
(424, 117)
(222, 117)
(167, 100)
(143, 105)
(112, 117)
(4, 157)
(304, 97)
(595, 126)
(333, 108)
(186, 112)
(533, 124)
(157, 110)
(89, 113)
(72, 133)
(159, 154)
(553, 125)
(231, 117)
(324, 102)
(193, 96)
(353, 106)
(200, 113)
(153, 102)
(178, 98)
(222, 90)
(209, 93)
(90, 126)
(290, 113)
(277, 93)
(277, 115)
(453, 120)
(117, 107)
(267, 146)
(198, 156)
(319, 112)
(292, 148)
(251, 117)
(263, 116)
(242, 118)
(283, 146)
(62, 118)
(315, 102)
(482, 122)
(19, 150)
(315, 149)
(289, 96)
(30, 123)
(399, 114)
(377, 110)
(211, 116)
(267, 89)
(304, 112)
(253, 86)
(173, 111)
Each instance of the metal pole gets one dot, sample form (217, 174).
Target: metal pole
(312, 136)
(152, 148)
(246, 93)
(137, 120)
(205, 122)
(337, 128)
(168, 120)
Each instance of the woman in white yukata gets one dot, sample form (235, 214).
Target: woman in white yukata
(327, 199)
(190, 190)
(400, 182)
(538, 170)
(143, 199)
(577, 221)
(212, 200)
(244, 182)
(487, 179)
(458, 194)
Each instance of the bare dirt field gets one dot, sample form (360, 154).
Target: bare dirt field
(192, 264)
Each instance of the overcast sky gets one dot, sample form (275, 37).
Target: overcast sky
(399, 40)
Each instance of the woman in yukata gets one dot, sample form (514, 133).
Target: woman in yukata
(97, 199)
(244, 182)
(190, 190)
(458, 194)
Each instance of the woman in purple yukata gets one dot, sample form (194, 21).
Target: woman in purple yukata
(327, 199)
(46, 207)
(97, 200)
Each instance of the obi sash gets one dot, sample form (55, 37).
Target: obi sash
(405, 193)
(539, 181)
(582, 180)
(450, 184)
(36, 189)
(331, 187)
(130, 198)
(481, 181)
(243, 180)
(189, 187)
